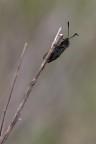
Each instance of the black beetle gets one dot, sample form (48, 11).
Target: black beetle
(58, 50)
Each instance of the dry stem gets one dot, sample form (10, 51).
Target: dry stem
(11, 91)
(29, 89)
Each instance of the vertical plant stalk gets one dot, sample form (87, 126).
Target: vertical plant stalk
(11, 91)
(15, 119)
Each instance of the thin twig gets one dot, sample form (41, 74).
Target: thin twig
(11, 91)
(28, 91)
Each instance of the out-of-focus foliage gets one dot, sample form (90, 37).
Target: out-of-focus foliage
(62, 106)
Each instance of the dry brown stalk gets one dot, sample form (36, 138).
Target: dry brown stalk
(11, 91)
(29, 89)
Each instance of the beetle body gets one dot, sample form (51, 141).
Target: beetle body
(58, 50)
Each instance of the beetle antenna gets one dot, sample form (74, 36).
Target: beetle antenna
(73, 35)
(68, 29)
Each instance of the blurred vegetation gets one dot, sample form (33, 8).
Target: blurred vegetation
(62, 106)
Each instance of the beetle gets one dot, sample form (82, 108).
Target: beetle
(60, 48)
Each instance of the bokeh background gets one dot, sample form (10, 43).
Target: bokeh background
(62, 106)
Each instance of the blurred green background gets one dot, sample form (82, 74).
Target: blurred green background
(62, 106)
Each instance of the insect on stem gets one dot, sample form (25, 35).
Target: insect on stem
(60, 47)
